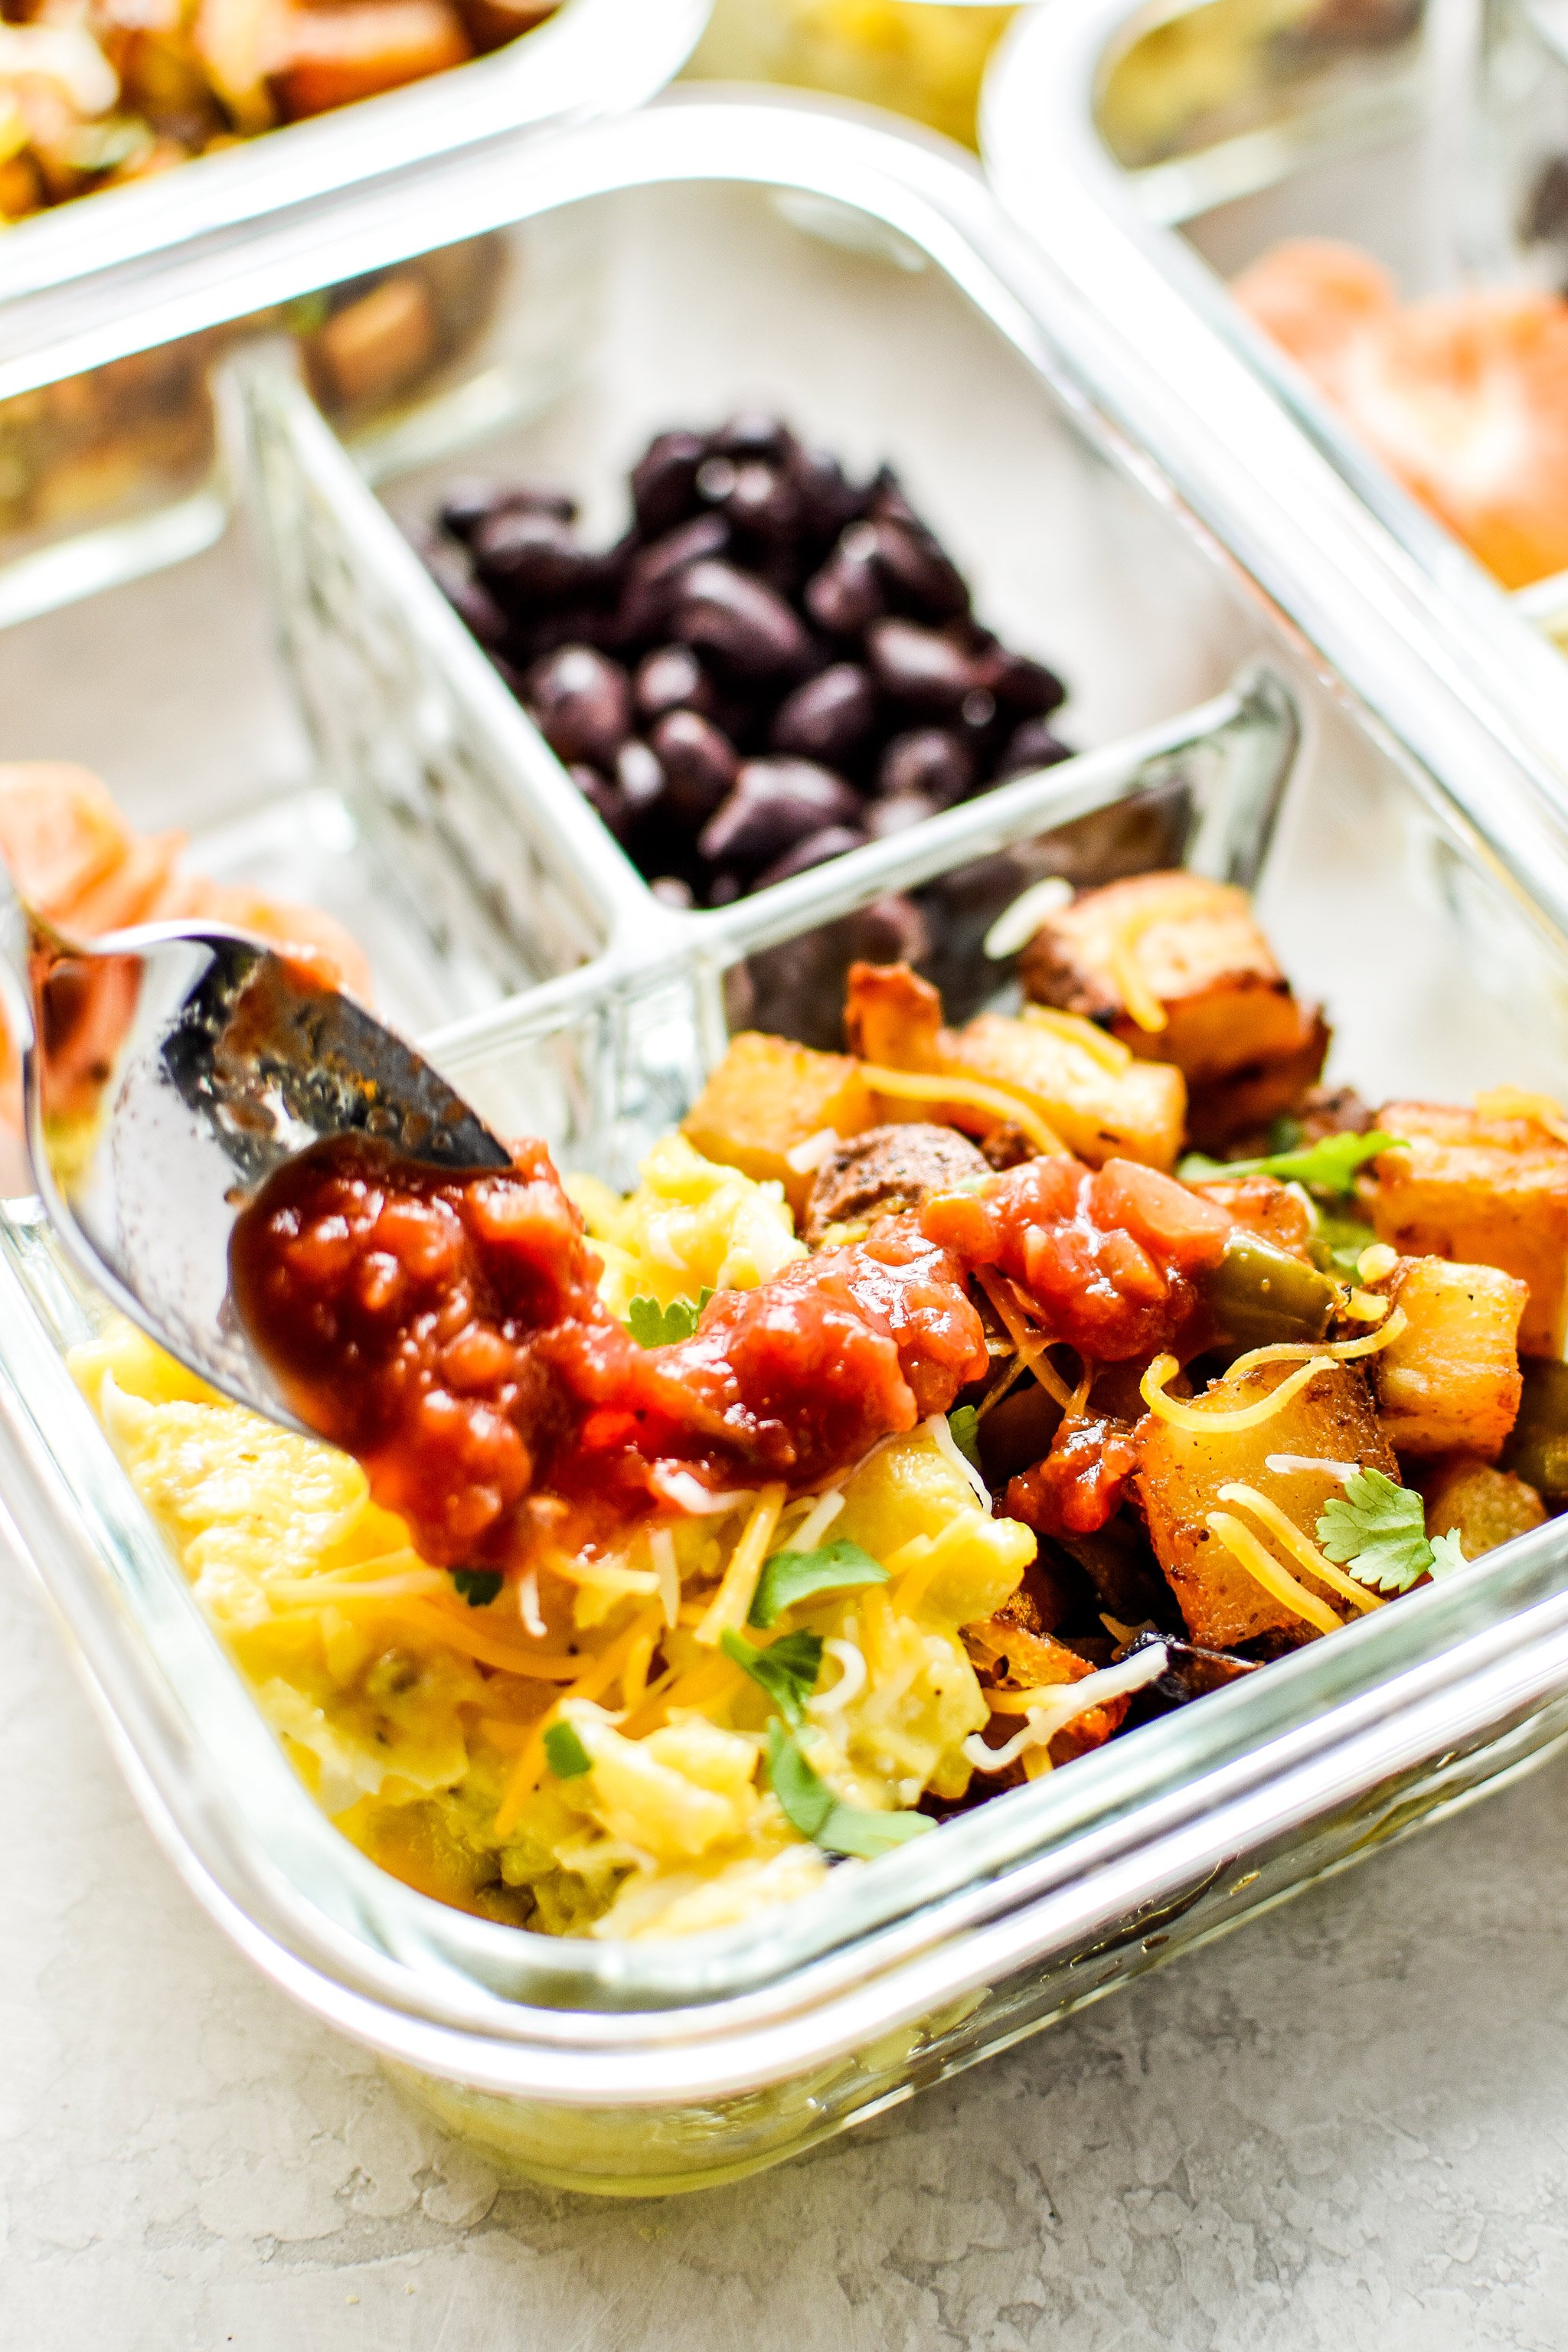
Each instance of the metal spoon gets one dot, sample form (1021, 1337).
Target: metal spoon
(167, 1071)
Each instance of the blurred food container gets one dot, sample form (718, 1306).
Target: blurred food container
(1159, 152)
(920, 58)
(108, 469)
(1264, 686)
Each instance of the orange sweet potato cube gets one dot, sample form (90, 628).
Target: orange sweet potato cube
(1483, 1190)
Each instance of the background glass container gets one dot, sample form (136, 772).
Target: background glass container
(921, 57)
(108, 469)
(1428, 141)
(1409, 869)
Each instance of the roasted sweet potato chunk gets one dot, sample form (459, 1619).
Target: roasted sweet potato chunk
(766, 1099)
(1090, 1092)
(1451, 1378)
(1177, 967)
(1485, 1190)
(1483, 1506)
(1180, 1472)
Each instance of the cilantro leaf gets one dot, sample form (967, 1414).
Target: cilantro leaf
(569, 1759)
(1447, 1554)
(810, 1805)
(1329, 1166)
(1378, 1531)
(792, 1576)
(786, 1670)
(964, 1424)
(478, 1586)
(653, 1326)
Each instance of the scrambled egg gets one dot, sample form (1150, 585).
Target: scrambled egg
(411, 1715)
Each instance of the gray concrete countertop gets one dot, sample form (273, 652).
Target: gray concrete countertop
(1345, 2127)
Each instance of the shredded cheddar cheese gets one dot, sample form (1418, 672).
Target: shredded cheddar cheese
(1300, 1548)
(1245, 1549)
(1249, 1416)
(917, 1086)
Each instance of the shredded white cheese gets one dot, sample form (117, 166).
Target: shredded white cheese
(948, 1446)
(1054, 1713)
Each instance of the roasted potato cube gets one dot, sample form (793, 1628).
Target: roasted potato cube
(1180, 1472)
(893, 1016)
(1258, 1093)
(1483, 1506)
(492, 23)
(766, 1099)
(1451, 1378)
(329, 57)
(1136, 1112)
(1177, 967)
(1483, 1190)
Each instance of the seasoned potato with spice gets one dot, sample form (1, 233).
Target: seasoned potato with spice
(1484, 1190)
(1450, 1378)
(1294, 1459)
(768, 1097)
(1483, 1506)
(1080, 1088)
(1177, 967)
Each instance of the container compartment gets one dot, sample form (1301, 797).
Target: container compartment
(1437, 142)
(109, 470)
(1410, 873)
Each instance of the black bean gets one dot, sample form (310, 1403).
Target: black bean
(670, 679)
(829, 716)
(639, 773)
(846, 595)
(531, 558)
(754, 434)
(978, 709)
(774, 804)
(715, 479)
(1026, 688)
(671, 891)
(895, 812)
(919, 668)
(885, 499)
(827, 498)
(816, 849)
(742, 623)
(699, 763)
(663, 480)
(583, 703)
(469, 598)
(724, 889)
(1030, 746)
(601, 798)
(471, 502)
(921, 580)
(653, 575)
(928, 759)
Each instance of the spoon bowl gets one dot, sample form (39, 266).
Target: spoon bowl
(166, 1072)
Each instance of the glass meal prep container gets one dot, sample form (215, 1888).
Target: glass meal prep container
(111, 469)
(1292, 726)
(1186, 141)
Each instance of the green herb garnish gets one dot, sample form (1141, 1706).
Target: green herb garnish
(653, 1326)
(478, 1586)
(792, 1576)
(1378, 1531)
(1327, 1167)
(810, 1805)
(964, 1424)
(569, 1759)
(787, 1669)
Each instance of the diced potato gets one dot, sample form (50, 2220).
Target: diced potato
(893, 1016)
(1137, 1112)
(766, 1099)
(1185, 953)
(329, 57)
(1483, 1506)
(1485, 1192)
(1180, 1472)
(492, 23)
(1258, 1092)
(1451, 1378)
